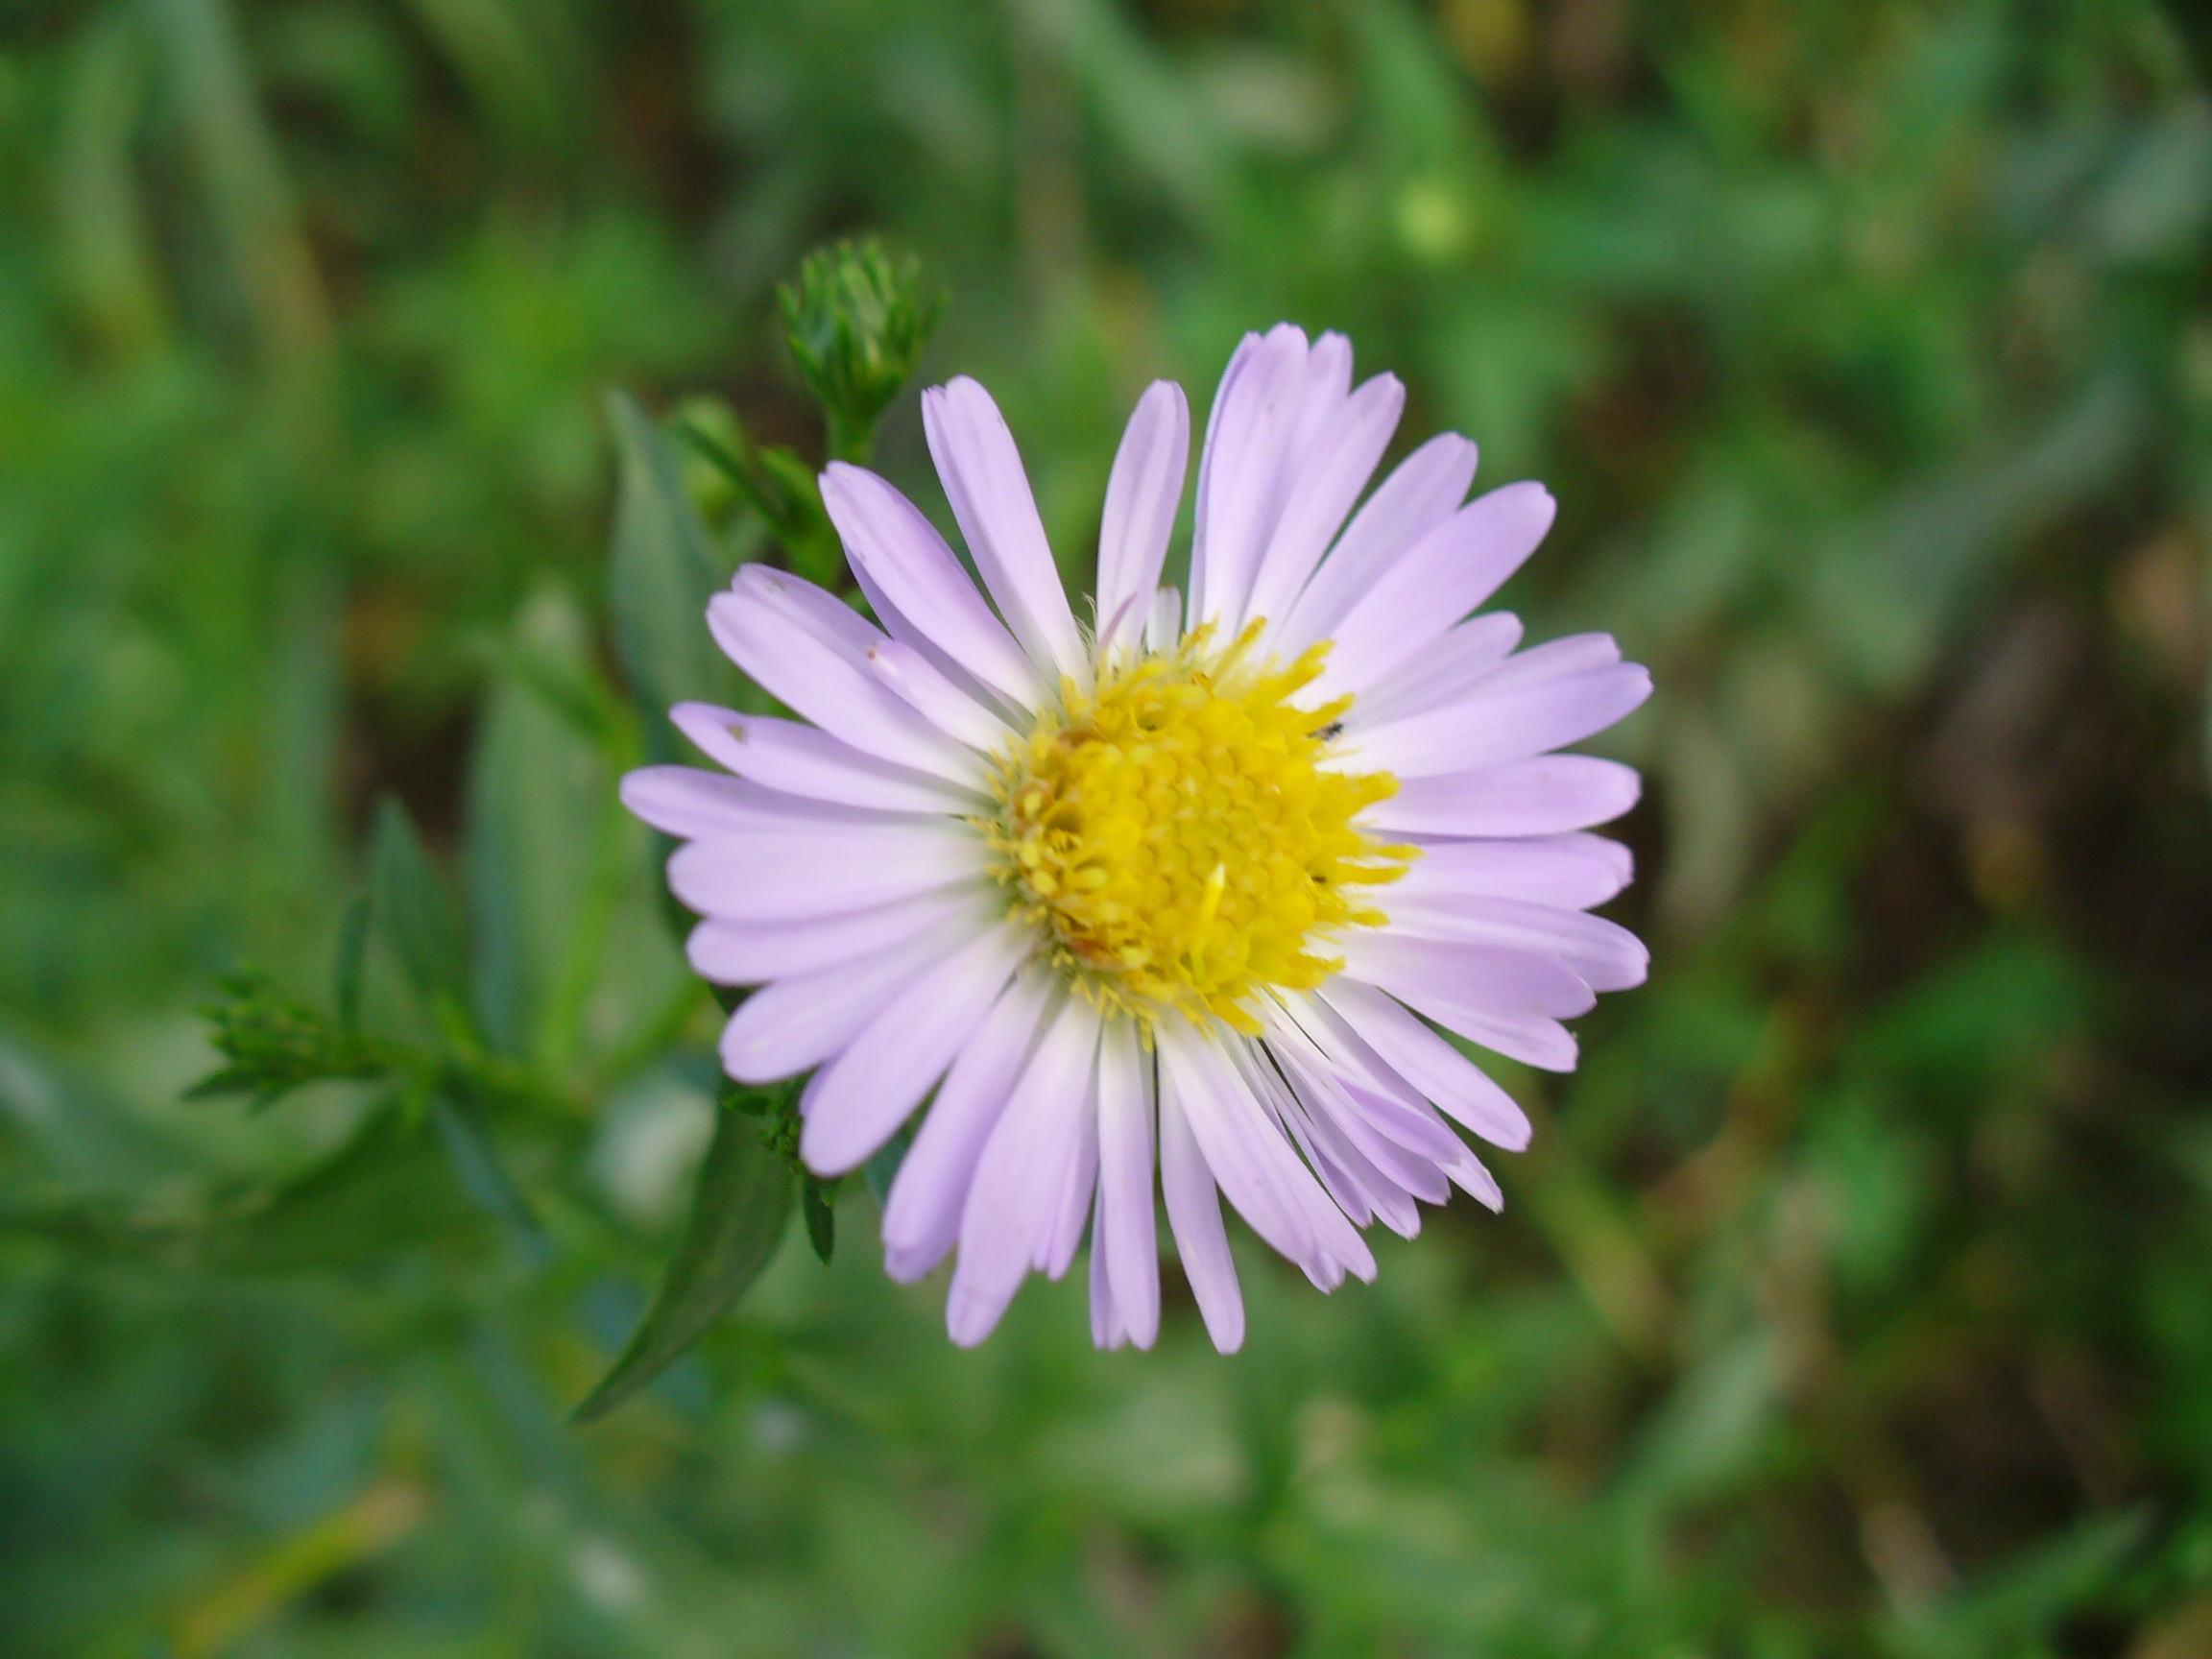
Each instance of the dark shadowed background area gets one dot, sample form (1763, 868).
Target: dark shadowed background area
(1856, 1298)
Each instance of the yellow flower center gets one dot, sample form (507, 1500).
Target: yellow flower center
(1173, 835)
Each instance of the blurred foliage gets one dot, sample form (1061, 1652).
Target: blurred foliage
(1854, 1297)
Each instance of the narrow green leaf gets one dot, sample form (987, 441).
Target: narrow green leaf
(809, 540)
(737, 1219)
(541, 798)
(243, 176)
(509, 72)
(821, 1216)
(776, 483)
(353, 960)
(2016, 1606)
(477, 1165)
(388, 1188)
(417, 914)
(660, 575)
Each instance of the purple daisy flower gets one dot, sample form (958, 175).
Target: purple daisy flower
(1188, 890)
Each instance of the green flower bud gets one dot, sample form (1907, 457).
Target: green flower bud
(857, 319)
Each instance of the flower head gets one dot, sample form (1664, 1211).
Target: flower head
(1191, 892)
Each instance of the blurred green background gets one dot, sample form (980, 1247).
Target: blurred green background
(1857, 1296)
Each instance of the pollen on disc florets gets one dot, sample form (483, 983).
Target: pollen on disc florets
(1173, 834)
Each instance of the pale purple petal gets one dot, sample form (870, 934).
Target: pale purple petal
(796, 760)
(1248, 349)
(905, 632)
(1107, 1328)
(1404, 1121)
(1398, 1177)
(1165, 625)
(1443, 671)
(750, 952)
(1494, 978)
(1412, 1047)
(1421, 492)
(1209, 1103)
(1341, 1248)
(1532, 1039)
(1322, 491)
(1444, 576)
(918, 684)
(1574, 871)
(785, 1027)
(1399, 1132)
(1474, 1177)
(782, 643)
(808, 604)
(689, 804)
(1507, 1001)
(1485, 731)
(1383, 1195)
(1553, 660)
(1315, 1140)
(1241, 473)
(821, 871)
(1142, 497)
(1540, 796)
(886, 535)
(1078, 1182)
(1125, 1239)
(1436, 1072)
(1194, 1214)
(1015, 1196)
(1603, 954)
(922, 1215)
(1253, 1160)
(862, 1095)
(984, 481)
(1327, 384)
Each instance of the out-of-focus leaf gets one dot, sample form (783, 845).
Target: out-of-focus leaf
(102, 219)
(1153, 117)
(389, 1189)
(2002, 1613)
(541, 812)
(476, 1162)
(1711, 1424)
(352, 960)
(417, 913)
(660, 573)
(507, 70)
(1892, 589)
(244, 178)
(737, 1219)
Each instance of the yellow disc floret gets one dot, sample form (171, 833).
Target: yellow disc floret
(1175, 837)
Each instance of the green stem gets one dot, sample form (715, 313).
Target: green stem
(850, 440)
